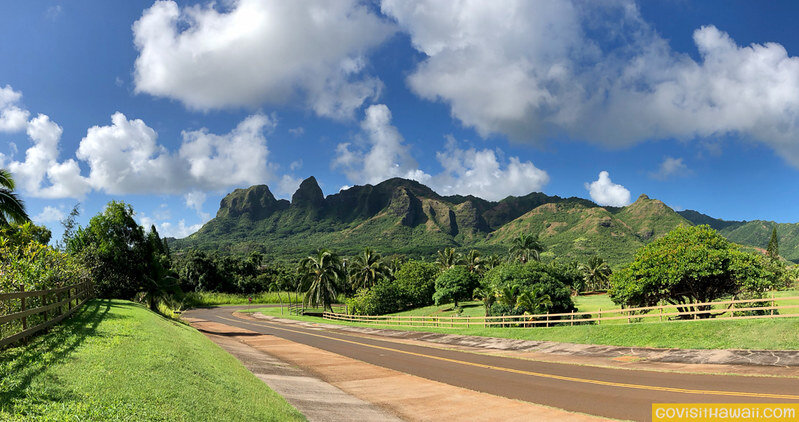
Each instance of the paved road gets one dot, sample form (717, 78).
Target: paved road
(615, 393)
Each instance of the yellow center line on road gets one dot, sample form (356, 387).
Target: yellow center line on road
(537, 374)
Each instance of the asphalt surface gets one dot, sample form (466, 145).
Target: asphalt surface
(609, 392)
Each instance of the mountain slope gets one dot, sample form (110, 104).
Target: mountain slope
(401, 216)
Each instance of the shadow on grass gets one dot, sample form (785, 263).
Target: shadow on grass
(20, 365)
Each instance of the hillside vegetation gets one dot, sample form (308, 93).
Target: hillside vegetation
(405, 217)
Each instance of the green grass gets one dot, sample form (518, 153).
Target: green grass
(775, 334)
(199, 299)
(117, 361)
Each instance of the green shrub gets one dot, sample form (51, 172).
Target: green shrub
(454, 285)
(417, 282)
(383, 298)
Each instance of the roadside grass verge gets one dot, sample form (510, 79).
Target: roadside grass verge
(117, 361)
(769, 334)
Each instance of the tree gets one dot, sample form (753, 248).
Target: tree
(526, 248)
(416, 282)
(448, 258)
(455, 284)
(367, 269)
(12, 209)
(596, 273)
(689, 265)
(321, 274)
(116, 250)
(534, 301)
(474, 262)
(773, 250)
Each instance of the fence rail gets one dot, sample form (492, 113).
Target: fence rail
(63, 302)
(298, 308)
(762, 308)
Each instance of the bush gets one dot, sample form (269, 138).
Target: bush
(542, 285)
(383, 298)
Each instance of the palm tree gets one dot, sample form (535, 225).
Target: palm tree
(448, 258)
(12, 209)
(526, 247)
(508, 295)
(474, 263)
(486, 294)
(596, 273)
(321, 273)
(490, 262)
(534, 301)
(367, 269)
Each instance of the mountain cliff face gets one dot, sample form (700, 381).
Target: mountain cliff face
(405, 217)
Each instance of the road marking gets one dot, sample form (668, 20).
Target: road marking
(536, 374)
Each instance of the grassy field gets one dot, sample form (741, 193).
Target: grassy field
(116, 361)
(774, 334)
(199, 299)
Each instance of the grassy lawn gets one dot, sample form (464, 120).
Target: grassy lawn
(117, 361)
(775, 334)
(200, 299)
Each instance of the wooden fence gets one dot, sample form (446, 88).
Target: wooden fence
(38, 309)
(745, 309)
(298, 308)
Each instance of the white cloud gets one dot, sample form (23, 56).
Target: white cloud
(237, 158)
(383, 155)
(596, 72)
(297, 131)
(480, 173)
(250, 52)
(41, 174)
(125, 158)
(195, 200)
(48, 215)
(604, 192)
(670, 167)
(12, 117)
(287, 185)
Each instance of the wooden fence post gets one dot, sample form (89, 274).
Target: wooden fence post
(572, 319)
(772, 304)
(599, 317)
(22, 306)
(661, 314)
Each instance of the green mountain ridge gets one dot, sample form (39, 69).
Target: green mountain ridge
(400, 216)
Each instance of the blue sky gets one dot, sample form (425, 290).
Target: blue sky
(170, 105)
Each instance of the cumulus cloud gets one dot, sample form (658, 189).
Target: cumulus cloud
(287, 185)
(251, 52)
(41, 174)
(483, 173)
(195, 200)
(604, 192)
(168, 228)
(596, 72)
(48, 215)
(126, 158)
(13, 118)
(670, 167)
(480, 173)
(383, 155)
